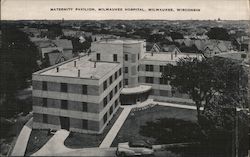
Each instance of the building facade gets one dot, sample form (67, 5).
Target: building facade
(142, 70)
(78, 95)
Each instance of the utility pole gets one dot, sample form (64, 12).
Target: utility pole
(236, 134)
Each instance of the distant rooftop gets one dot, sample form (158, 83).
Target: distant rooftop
(167, 56)
(120, 41)
(86, 67)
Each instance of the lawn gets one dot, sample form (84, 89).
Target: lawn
(36, 141)
(80, 140)
(148, 125)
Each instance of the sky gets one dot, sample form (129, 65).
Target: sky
(41, 9)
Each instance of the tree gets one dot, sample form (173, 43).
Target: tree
(219, 85)
(17, 63)
(205, 78)
(220, 122)
(218, 34)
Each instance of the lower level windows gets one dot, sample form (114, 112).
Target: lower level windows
(84, 124)
(111, 110)
(64, 104)
(105, 118)
(125, 82)
(149, 80)
(45, 118)
(84, 107)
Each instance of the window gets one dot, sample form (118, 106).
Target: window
(110, 110)
(149, 68)
(162, 68)
(138, 56)
(64, 87)
(149, 79)
(44, 85)
(98, 56)
(84, 107)
(116, 89)
(105, 85)
(125, 69)
(163, 81)
(45, 118)
(116, 103)
(126, 57)
(125, 82)
(84, 89)
(110, 95)
(110, 80)
(44, 102)
(105, 101)
(115, 57)
(120, 72)
(105, 118)
(116, 73)
(120, 84)
(64, 104)
(84, 124)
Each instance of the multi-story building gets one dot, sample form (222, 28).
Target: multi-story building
(82, 94)
(78, 95)
(142, 70)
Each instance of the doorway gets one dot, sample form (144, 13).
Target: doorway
(64, 121)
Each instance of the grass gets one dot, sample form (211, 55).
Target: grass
(81, 140)
(37, 139)
(132, 128)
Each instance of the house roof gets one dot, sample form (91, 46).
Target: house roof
(169, 48)
(64, 43)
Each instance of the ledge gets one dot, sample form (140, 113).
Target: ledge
(136, 90)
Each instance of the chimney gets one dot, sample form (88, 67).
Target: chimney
(175, 54)
(152, 53)
(171, 56)
(74, 63)
(95, 64)
(57, 69)
(79, 73)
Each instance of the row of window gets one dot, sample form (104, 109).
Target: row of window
(64, 87)
(111, 79)
(161, 80)
(84, 121)
(151, 67)
(64, 104)
(126, 57)
(111, 110)
(111, 94)
(98, 57)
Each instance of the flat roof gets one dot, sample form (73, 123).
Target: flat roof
(166, 56)
(86, 67)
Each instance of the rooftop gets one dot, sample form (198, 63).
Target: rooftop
(136, 90)
(86, 67)
(167, 56)
(120, 41)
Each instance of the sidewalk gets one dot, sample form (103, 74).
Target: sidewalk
(55, 145)
(22, 140)
(90, 152)
(106, 143)
(176, 105)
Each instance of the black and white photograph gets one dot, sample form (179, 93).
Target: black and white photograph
(134, 78)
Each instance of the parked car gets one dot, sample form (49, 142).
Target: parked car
(139, 148)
